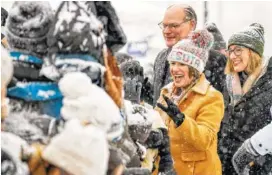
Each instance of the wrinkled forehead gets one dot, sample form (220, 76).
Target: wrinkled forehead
(174, 13)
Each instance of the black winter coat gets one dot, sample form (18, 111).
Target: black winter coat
(214, 72)
(244, 119)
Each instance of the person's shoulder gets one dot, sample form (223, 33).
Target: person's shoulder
(163, 52)
(214, 94)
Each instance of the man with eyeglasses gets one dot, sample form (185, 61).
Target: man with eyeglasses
(179, 20)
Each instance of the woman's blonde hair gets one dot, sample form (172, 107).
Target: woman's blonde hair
(255, 61)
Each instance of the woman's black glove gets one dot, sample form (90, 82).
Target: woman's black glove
(172, 111)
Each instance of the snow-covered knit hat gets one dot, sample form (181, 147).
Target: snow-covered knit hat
(122, 57)
(219, 42)
(139, 120)
(78, 149)
(194, 50)
(27, 27)
(252, 37)
(131, 69)
(76, 30)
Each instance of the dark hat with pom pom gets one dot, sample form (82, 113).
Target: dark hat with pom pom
(252, 37)
(193, 51)
(219, 42)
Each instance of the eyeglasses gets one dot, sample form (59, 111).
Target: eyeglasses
(171, 26)
(237, 51)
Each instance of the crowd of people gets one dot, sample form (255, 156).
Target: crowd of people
(72, 104)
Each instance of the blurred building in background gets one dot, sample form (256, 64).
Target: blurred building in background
(140, 19)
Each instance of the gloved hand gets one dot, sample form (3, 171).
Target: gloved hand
(172, 111)
(154, 139)
(243, 157)
(132, 89)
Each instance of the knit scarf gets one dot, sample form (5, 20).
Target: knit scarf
(236, 91)
(178, 98)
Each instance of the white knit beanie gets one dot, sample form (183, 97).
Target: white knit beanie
(90, 104)
(78, 149)
(193, 51)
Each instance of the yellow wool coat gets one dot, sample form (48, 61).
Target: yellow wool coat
(193, 144)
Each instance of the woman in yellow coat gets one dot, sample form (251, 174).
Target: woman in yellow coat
(192, 109)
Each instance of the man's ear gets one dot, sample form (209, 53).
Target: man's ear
(193, 24)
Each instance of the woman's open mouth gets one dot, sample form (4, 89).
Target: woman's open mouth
(178, 78)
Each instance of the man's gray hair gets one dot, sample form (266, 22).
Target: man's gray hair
(190, 13)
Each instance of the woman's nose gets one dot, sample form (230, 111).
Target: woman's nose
(175, 68)
(232, 55)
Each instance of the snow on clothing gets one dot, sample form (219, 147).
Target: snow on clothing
(71, 35)
(219, 42)
(214, 71)
(194, 143)
(72, 39)
(251, 37)
(242, 119)
(79, 46)
(144, 124)
(30, 91)
(76, 30)
(27, 27)
(90, 104)
(11, 155)
(105, 12)
(79, 149)
(133, 75)
(31, 126)
(161, 73)
(253, 149)
(142, 117)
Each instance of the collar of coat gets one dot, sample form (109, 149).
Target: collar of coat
(201, 86)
